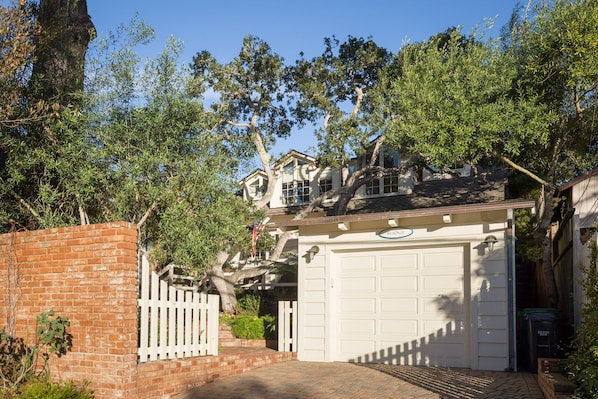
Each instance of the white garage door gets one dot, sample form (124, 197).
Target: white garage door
(401, 307)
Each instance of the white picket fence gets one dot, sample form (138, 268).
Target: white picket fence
(287, 326)
(174, 323)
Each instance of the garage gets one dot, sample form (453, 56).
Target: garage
(401, 306)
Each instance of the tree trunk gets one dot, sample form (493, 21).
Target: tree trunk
(226, 285)
(226, 290)
(65, 32)
(543, 241)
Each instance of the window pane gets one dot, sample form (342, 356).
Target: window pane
(373, 187)
(324, 185)
(391, 184)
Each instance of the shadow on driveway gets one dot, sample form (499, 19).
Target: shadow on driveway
(309, 380)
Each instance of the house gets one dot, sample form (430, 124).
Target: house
(418, 271)
(574, 219)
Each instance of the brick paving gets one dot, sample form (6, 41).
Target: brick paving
(309, 380)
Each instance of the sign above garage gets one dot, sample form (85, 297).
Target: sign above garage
(394, 233)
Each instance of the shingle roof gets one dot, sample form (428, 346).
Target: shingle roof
(437, 193)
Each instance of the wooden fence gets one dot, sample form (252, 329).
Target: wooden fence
(287, 326)
(174, 323)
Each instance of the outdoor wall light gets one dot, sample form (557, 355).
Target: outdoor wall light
(490, 241)
(311, 253)
(344, 226)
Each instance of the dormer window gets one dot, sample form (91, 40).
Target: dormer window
(388, 184)
(295, 187)
(324, 183)
(257, 188)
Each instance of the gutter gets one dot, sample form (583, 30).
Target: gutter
(511, 290)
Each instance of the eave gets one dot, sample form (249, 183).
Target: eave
(364, 217)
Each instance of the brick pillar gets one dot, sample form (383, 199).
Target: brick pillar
(88, 274)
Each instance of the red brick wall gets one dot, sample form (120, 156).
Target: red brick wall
(88, 274)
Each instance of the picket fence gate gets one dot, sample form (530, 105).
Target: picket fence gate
(287, 326)
(174, 323)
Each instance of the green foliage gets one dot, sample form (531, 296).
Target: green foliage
(582, 364)
(52, 334)
(457, 100)
(45, 389)
(249, 305)
(19, 362)
(141, 149)
(251, 86)
(16, 360)
(253, 327)
(248, 327)
(334, 88)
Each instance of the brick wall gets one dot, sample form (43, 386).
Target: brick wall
(552, 383)
(88, 274)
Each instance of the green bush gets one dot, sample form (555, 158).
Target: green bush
(249, 305)
(582, 363)
(43, 389)
(253, 327)
(248, 327)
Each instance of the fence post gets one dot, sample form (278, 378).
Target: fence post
(213, 320)
(287, 326)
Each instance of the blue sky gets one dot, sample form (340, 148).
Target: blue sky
(290, 27)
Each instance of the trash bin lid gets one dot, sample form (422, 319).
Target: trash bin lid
(527, 311)
(540, 313)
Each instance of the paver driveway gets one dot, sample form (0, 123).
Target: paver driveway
(308, 380)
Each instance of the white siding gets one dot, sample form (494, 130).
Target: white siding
(312, 307)
(485, 271)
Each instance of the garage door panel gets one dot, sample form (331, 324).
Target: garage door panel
(441, 260)
(449, 305)
(358, 326)
(451, 331)
(402, 307)
(399, 328)
(358, 264)
(398, 262)
(399, 305)
(394, 283)
(351, 349)
(365, 284)
(358, 305)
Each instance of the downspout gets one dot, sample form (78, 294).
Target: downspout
(510, 241)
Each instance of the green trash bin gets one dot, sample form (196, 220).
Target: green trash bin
(540, 332)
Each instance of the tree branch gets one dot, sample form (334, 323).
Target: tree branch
(146, 214)
(27, 205)
(525, 171)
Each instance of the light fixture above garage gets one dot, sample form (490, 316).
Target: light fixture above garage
(490, 241)
(310, 253)
(447, 218)
(393, 222)
(344, 226)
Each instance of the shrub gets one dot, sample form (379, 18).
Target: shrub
(582, 364)
(254, 327)
(249, 305)
(248, 327)
(20, 362)
(44, 389)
